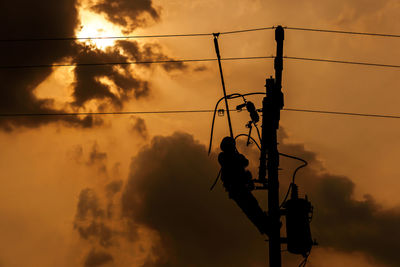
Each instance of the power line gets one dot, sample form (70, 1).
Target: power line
(344, 113)
(132, 36)
(104, 113)
(193, 60)
(344, 62)
(128, 62)
(248, 30)
(103, 37)
(4, 115)
(344, 32)
(193, 35)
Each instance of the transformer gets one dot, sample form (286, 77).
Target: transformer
(298, 212)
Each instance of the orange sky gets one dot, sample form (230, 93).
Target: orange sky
(45, 168)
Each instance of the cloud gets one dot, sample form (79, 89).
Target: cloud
(128, 14)
(113, 187)
(138, 125)
(97, 258)
(340, 221)
(92, 218)
(351, 225)
(88, 205)
(97, 158)
(168, 191)
(88, 84)
(149, 52)
(27, 19)
(108, 86)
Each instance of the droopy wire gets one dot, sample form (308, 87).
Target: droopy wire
(231, 96)
(305, 163)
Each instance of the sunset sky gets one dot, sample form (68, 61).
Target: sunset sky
(133, 190)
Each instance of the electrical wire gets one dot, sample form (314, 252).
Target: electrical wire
(185, 111)
(343, 62)
(132, 36)
(304, 262)
(194, 35)
(128, 62)
(343, 113)
(231, 96)
(258, 132)
(104, 113)
(194, 60)
(305, 163)
(343, 32)
(248, 30)
(216, 180)
(103, 37)
(252, 139)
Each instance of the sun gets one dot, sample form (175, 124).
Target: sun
(94, 25)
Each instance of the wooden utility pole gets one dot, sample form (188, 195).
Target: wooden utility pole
(272, 104)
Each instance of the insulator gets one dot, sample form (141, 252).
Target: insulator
(239, 107)
(253, 112)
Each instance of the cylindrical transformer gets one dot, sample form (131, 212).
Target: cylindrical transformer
(298, 217)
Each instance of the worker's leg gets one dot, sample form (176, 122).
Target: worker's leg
(249, 205)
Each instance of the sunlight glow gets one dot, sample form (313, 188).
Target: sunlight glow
(95, 25)
(57, 87)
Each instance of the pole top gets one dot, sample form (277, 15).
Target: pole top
(279, 33)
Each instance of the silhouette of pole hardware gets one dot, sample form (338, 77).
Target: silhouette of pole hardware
(223, 82)
(298, 213)
(272, 105)
(238, 181)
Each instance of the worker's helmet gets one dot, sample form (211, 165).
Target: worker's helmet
(228, 144)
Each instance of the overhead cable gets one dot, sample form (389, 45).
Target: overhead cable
(104, 113)
(343, 32)
(128, 62)
(194, 60)
(33, 39)
(343, 62)
(131, 36)
(343, 113)
(188, 111)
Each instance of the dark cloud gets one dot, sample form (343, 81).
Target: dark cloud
(168, 191)
(88, 85)
(46, 19)
(114, 187)
(138, 125)
(351, 225)
(128, 14)
(27, 19)
(97, 258)
(97, 158)
(150, 52)
(200, 68)
(88, 205)
(91, 220)
(111, 190)
(341, 221)
(96, 230)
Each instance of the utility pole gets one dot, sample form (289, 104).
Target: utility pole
(272, 104)
(297, 211)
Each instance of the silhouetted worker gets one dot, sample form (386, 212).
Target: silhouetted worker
(238, 182)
